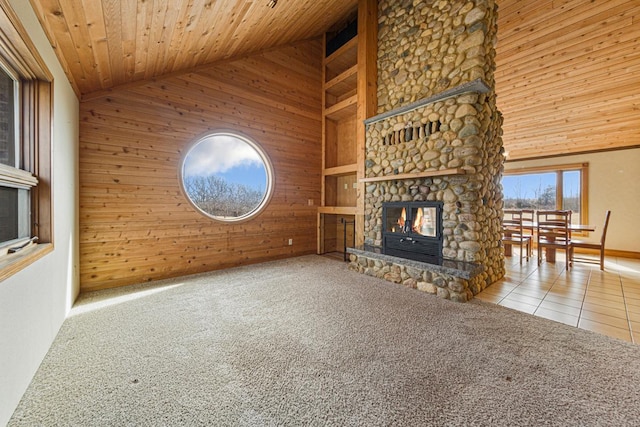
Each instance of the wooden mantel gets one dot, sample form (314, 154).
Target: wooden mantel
(424, 174)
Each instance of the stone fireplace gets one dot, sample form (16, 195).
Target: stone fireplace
(412, 230)
(437, 138)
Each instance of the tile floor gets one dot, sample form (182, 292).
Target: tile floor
(607, 302)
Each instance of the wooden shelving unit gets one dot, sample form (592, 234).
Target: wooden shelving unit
(339, 168)
(344, 109)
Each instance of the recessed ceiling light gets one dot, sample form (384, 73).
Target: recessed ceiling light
(272, 3)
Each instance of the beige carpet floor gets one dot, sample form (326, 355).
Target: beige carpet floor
(305, 341)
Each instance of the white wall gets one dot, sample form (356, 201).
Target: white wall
(614, 184)
(35, 301)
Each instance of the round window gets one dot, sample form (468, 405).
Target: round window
(226, 176)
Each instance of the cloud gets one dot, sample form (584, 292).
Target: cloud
(218, 154)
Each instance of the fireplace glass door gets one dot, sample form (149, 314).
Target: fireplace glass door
(417, 220)
(396, 220)
(424, 221)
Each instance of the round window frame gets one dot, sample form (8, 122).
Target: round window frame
(265, 160)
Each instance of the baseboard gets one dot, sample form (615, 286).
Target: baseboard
(610, 252)
(622, 254)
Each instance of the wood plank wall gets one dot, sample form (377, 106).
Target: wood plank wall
(135, 223)
(567, 76)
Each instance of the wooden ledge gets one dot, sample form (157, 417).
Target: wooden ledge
(341, 170)
(338, 210)
(343, 109)
(425, 174)
(12, 263)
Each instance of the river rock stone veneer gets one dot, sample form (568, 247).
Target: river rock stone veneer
(444, 140)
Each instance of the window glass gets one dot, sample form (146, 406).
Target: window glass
(571, 194)
(8, 214)
(226, 176)
(530, 191)
(14, 214)
(7, 120)
(15, 201)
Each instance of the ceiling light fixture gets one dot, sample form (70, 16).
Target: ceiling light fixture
(272, 3)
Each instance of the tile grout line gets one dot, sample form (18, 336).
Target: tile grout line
(626, 307)
(537, 268)
(509, 293)
(546, 293)
(584, 297)
(628, 329)
(565, 270)
(563, 298)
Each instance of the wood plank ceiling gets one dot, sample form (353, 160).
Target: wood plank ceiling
(567, 70)
(568, 76)
(107, 43)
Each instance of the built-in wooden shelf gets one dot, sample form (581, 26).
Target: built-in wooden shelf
(343, 83)
(425, 174)
(348, 95)
(337, 210)
(343, 109)
(341, 170)
(342, 59)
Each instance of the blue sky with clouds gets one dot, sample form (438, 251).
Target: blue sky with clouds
(228, 157)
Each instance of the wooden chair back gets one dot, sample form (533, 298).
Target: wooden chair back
(528, 225)
(512, 218)
(554, 232)
(513, 232)
(604, 228)
(595, 246)
(528, 219)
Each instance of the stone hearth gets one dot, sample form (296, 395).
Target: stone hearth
(447, 279)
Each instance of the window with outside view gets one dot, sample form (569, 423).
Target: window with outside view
(25, 149)
(226, 176)
(546, 190)
(15, 198)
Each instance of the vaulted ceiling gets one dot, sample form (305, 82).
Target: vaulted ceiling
(106, 43)
(567, 70)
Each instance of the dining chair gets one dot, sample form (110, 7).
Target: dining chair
(588, 245)
(554, 233)
(513, 232)
(528, 225)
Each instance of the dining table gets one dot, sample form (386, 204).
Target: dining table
(550, 252)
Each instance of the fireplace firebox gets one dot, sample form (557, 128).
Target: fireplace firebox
(412, 229)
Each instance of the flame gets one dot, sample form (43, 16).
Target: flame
(417, 222)
(402, 219)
